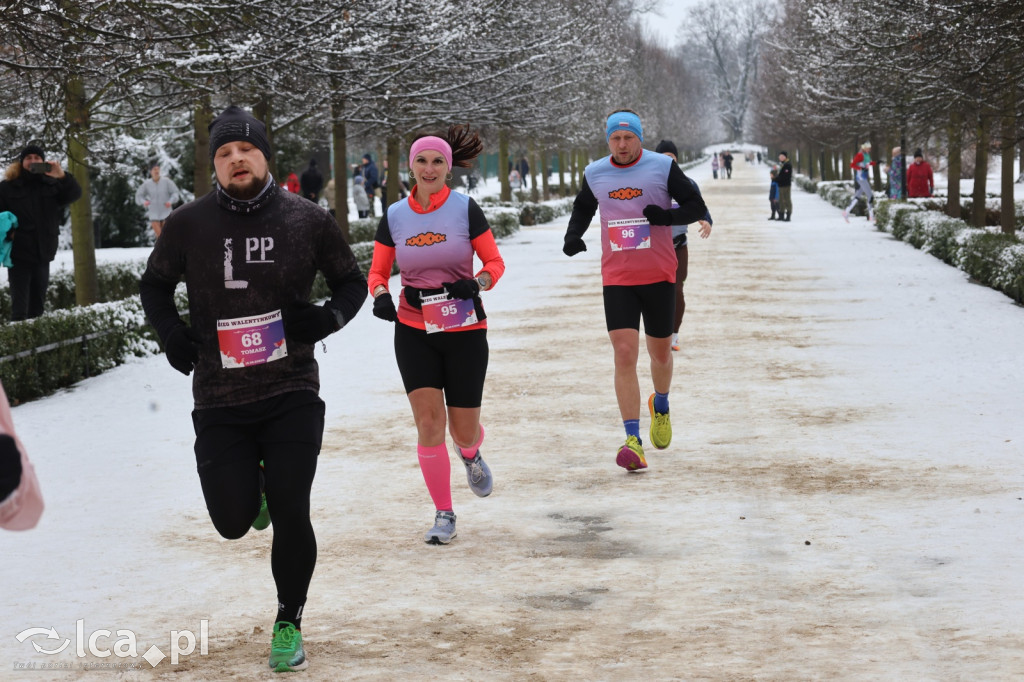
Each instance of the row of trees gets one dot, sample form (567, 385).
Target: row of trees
(120, 82)
(944, 75)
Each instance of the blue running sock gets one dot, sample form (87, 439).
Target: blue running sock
(632, 427)
(661, 403)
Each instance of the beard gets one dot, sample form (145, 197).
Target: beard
(247, 190)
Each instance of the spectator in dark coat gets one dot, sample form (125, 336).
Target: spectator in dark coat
(524, 171)
(785, 181)
(371, 180)
(36, 192)
(311, 182)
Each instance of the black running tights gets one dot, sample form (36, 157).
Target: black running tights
(285, 432)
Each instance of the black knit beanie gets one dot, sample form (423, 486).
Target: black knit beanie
(235, 124)
(667, 146)
(32, 149)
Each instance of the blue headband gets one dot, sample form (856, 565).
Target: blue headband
(623, 120)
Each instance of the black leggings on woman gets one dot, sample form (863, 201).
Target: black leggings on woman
(285, 432)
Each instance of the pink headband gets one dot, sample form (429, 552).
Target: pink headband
(433, 143)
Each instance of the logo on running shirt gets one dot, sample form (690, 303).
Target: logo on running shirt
(426, 239)
(626, 193)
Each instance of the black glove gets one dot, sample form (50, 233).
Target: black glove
(656, 215)
(464, 288)
(182, 349)
(384, 308)
(573, 245)
(308, 323)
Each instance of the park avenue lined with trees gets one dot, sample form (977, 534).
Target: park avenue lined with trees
(115, 85)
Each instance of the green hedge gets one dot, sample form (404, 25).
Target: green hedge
(988, 256)
(119, 330)
(116, 281)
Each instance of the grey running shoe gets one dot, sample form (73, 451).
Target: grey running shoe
(478, 474)
(443, 531)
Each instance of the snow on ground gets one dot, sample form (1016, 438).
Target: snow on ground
(842, 498)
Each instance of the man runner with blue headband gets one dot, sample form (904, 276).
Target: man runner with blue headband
(634, 191)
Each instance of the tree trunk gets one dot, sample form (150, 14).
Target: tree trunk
(394, 177)
(876, 149)
(202, 116)
(87, 290)
(577, 170)
(545, 157)
(561, 174)
(1009, 123)
(846, 158)
(980, 171)
(955, 134)
(506, 188)
(532, 161)
(262, 111)
(338, 135)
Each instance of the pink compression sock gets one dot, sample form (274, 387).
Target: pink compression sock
(470, 452)
(437, 473)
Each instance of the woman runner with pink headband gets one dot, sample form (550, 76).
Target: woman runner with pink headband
(441, 328)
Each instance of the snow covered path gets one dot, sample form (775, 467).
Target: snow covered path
(841, 500)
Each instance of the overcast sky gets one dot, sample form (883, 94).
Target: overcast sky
(665, 20)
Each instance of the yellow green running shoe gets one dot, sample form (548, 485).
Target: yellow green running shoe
(661, 427)
(631, 455)
(286, 654)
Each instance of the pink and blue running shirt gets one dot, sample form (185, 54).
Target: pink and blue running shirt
(434, 247)
(622, 192)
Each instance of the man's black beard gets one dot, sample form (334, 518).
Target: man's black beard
(248, 192)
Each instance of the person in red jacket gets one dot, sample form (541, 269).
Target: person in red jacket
(920, 182)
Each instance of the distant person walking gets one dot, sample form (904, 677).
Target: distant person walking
(773, 194)
(311, 182)
(895, 174)
(371, 181)
(785, 180)
(714, 166)
(157, 195)
(861, 164)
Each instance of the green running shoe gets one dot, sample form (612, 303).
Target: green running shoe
(661, 427)
(263, 518)
(286, 654)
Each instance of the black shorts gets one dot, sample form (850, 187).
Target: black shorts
(624, 305)
(248, 433)
(455, 362)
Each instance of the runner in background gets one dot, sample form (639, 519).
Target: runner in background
(668, 148)
(249, 252)
(634, 191)
(440, 330)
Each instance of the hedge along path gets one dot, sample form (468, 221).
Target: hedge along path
(779, 537)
